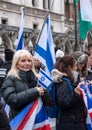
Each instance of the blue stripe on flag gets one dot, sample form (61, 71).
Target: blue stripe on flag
(42, 84)
(40, 50)
(41, 116)
(50, 61)
(20, 43)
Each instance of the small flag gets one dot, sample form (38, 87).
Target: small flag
(44, 80)
(20, 44)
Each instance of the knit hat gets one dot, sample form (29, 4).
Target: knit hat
(59, 53)
(83, 59)
(8, 54)
(77, 54)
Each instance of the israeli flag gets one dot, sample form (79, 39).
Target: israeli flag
(20, 44)
(45, 47)
(44, 80)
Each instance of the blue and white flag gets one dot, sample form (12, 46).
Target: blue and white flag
(45, 47)
(87, 97)
(20, 44)
(44, 80)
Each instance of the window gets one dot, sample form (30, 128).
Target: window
(34, 2)
(46, 4)
(35, 26)
(67, 9)
(4, 21)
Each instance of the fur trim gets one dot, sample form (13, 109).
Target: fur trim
(57, 75)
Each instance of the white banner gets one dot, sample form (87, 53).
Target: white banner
(86, 10)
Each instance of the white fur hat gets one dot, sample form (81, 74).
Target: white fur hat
(59, 53)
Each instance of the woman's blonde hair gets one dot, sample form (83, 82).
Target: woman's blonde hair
(19, 54)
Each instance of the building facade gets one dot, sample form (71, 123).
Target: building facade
(62, 14)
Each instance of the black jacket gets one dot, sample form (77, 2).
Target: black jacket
(20, 92)
(4, 121)
(72, 114)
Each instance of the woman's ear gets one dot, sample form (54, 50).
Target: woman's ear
(69, 67)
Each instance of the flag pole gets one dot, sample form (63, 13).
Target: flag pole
(75, 25)
(51, 5)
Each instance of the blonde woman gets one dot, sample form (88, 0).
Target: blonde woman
(20, 86)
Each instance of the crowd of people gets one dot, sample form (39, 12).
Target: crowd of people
(19, 87)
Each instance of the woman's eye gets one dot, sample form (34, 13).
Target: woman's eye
(29, 60)
(23, 60)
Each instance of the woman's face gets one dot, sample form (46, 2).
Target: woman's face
(74, 67)
(24, 63)
(80, 66)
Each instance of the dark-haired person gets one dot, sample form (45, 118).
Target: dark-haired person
(72, 110)
(90, 48)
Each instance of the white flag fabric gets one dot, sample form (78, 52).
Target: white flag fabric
(20, 44)
(86, 10)
(45, 47)
(44, 80)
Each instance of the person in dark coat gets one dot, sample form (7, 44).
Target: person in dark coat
(4, 121)
(72, 110)
(20, 86)
(5, 67)
(1, 62)
(8, 59)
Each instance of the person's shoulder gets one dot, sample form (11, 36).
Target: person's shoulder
(10, 77)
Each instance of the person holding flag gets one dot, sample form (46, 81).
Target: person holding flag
(20, 88)
(72, 111)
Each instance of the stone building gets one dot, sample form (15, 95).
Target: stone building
(63, 22)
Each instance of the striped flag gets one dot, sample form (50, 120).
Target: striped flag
(20, 44)
(32, 117)
(87, 97)
(44, 80)
(45, 47)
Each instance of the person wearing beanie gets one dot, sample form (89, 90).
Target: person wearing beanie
(59, 54)
(8, 54)
(77, 54)
(83, 65)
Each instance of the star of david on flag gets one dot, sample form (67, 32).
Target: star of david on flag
(44, 80)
